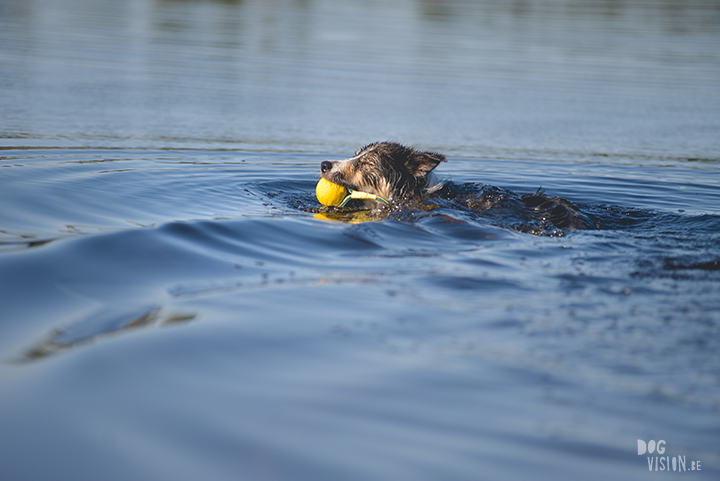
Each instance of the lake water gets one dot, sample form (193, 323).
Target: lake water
(171, 306)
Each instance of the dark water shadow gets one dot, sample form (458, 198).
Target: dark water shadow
(103, 324)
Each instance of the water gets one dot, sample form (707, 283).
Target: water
(172, 307)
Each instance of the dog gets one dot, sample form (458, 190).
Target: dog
(400, 174)
(387, 169)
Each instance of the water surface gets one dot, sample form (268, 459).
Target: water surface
(172, 308)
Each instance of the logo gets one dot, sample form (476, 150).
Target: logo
(664, 463)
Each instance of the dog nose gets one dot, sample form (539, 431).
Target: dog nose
(325, 167)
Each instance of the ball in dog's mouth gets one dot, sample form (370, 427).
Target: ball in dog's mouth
(329, 193)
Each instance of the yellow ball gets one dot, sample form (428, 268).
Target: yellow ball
(329, 193)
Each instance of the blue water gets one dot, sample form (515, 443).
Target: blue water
(172, 306)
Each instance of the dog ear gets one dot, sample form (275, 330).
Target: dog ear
(421, 163)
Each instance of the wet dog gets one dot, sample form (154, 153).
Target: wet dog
(387, 169)
(399, 173)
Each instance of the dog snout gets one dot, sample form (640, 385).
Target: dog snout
(326, 167)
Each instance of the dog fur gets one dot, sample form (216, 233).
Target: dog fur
(399, 173)
(387, 169)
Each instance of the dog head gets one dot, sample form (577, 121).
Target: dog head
(387, 169)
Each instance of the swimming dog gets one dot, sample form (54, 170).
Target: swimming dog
(399, 173)
(387, 169)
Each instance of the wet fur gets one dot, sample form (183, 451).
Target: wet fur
(387, 169)
(396, 172)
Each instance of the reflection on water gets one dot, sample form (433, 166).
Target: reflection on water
(476, 76)
(110, 321)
